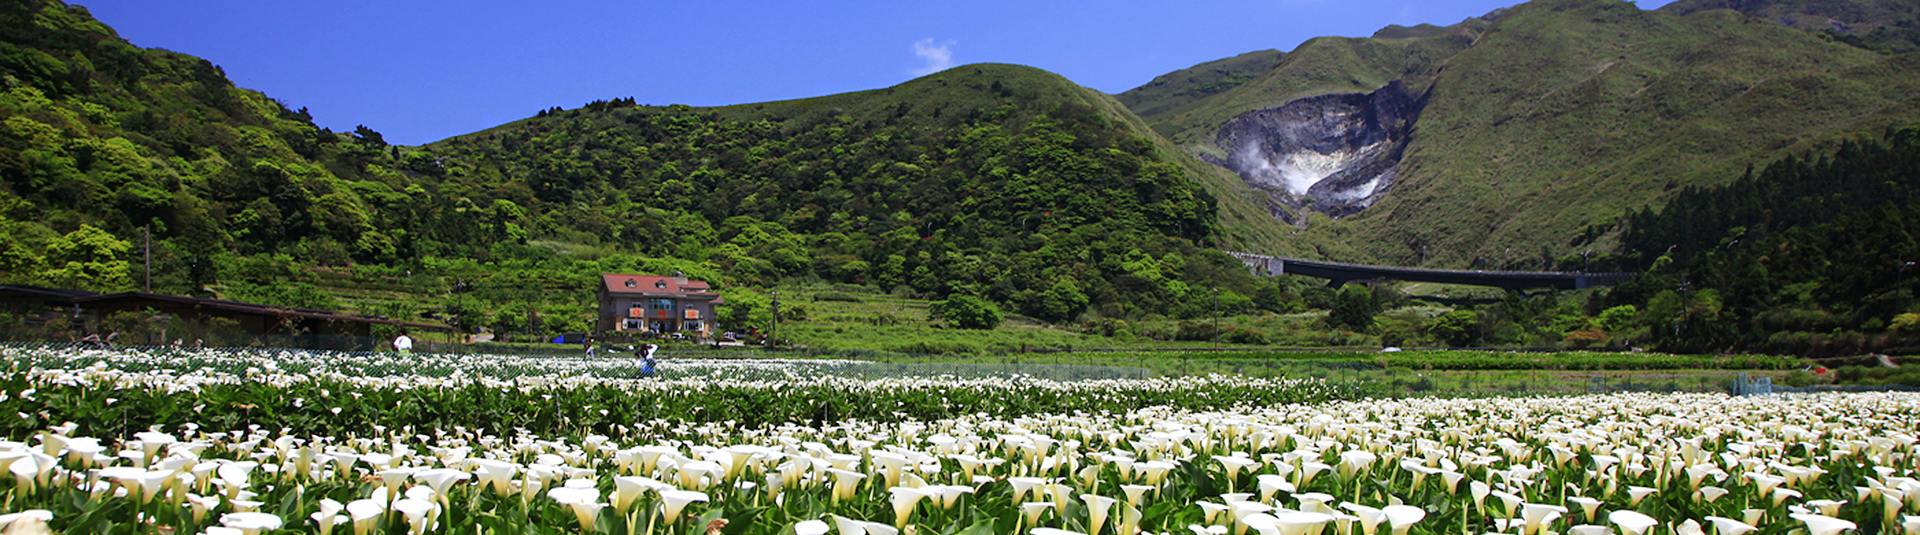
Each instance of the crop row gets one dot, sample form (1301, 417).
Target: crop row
(1508, 360)
(1631, 464)
(120, 392)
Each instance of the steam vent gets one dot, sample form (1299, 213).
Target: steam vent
(1334, 154)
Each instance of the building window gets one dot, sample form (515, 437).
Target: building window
(692, 326)
(660, 304)
(631, 325)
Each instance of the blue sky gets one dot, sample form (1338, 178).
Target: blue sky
(421, 71)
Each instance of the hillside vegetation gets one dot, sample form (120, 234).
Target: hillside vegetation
(102, 139)
(246, 198)
(1812, 255)
(1885, 25)
(1320, 66)
(1543, 118)
(993, 180)
(1173, 90)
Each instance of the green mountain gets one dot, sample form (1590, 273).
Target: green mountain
(995, 180)
(103, 142)
(1530, 124)
(1887, 25)
(1173, 90)
(1320, 66)
(102, 139)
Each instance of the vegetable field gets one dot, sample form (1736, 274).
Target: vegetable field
(252, 442)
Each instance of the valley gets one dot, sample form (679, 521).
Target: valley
(1549, 136)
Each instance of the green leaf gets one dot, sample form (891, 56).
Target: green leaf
(984, 527)
(739, 521)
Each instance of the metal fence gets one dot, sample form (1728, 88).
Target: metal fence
(1763, 386)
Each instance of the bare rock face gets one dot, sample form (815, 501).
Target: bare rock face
(1334, 154)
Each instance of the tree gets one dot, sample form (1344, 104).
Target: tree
(1618, 320)
(1353, 307)
(1402, 327)
(1061, 302)
(1459, 328)
(966, 312)
(366, 136)
(18, 260)
(746, 307)
(1907, 324)
(1582, 339)
(89, 259)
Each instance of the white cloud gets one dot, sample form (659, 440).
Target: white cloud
(939, 56)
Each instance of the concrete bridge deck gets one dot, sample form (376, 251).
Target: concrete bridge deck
(1338, 274)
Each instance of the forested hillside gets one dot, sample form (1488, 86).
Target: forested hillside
(992, 180)
(103, 139)
(999, 181)
(1813, 254)
(244, 197)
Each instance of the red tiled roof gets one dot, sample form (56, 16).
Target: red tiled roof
(653, 284)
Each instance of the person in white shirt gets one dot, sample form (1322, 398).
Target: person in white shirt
(646, 361)
(403, 344)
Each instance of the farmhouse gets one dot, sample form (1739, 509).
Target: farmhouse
(654, 303)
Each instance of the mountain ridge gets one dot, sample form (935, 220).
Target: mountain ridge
(1611, 105)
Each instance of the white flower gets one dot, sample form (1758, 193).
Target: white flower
(674, 500)
(1633, 522)
(1822, 524)
(251, 523)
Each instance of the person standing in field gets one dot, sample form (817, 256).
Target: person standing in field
(647, 362)
(588, 343)
(403, 344)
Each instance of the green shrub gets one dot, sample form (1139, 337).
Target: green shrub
(1459, 328)
(966, 312)
(1244, 336)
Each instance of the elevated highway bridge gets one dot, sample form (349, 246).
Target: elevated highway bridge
(1338, 274)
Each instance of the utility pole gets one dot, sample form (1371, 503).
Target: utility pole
(147, 231)
(1216, 318)
(1900, 278)
(460, 311)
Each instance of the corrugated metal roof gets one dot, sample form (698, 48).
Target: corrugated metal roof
(250, 308)
(47, 292)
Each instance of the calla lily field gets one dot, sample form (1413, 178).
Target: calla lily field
(259, 441)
